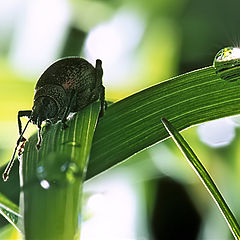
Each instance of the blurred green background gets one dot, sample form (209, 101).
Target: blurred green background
(155, 194)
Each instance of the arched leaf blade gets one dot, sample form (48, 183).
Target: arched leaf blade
(133, 123)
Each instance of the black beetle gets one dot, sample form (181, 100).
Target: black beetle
(68, 85)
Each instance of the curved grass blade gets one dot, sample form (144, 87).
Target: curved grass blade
(132, 124)
(204, 177)
(52, 177)
(9, 210)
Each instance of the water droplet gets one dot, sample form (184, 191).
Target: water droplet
(45, 184)
(11, 216)
(227, 64)
(71, 171)
(57, 170)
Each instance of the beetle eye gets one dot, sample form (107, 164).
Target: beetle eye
(50, 107)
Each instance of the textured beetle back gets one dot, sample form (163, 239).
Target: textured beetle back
(71, 73)
(81, 82)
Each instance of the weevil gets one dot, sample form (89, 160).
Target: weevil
(68, 85)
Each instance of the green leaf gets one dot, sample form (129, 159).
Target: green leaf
(10, 211)
(204, 177)
(52, 177)
(133, 124)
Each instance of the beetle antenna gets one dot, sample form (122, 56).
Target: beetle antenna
(10, 163)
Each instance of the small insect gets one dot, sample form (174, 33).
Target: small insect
(68, 85)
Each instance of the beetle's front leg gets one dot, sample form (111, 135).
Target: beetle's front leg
(67, 111)
(26, 113)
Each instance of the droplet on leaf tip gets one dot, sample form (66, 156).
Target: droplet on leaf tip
(227, 64)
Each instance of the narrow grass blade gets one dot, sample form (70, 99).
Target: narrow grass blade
(9, 210)
(204, 177)
(52, 177)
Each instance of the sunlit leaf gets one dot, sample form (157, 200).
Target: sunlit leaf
(134, 123)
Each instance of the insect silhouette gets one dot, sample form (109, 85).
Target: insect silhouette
(68, 85)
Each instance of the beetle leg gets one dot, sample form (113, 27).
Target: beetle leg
(102, 100)
(10, 163)
(100, 87)
(67, 111)
(64, 125)
(26, 113)
(38, 145)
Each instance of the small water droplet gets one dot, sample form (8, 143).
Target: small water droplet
(71, 171)
(227, 64)
(13, 217)
(57, 170)
(45, 184)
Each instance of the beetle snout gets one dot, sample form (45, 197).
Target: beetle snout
(44, 108)
(36, 117)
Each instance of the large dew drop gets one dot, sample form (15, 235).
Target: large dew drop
(227, 64)
(57, 171)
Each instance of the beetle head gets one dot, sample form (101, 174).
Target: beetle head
(49, 101)
(49, 104)
(44, 108)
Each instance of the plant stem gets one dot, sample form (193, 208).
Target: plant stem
(52, 177)
(204, 177)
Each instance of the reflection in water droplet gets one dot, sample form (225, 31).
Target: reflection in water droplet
(57, 170)
(70, 170)
(45, 184)
(11, 216)
(227, 64)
